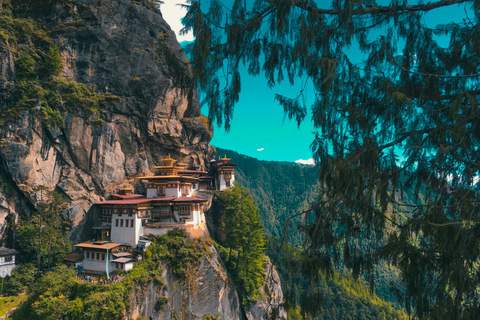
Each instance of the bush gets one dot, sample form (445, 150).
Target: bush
(161, 303)
(53, 63)
(177, 251)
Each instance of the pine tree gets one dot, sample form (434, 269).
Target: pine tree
(245, 236)
(402, 121)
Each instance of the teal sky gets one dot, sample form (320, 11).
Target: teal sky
(258, 128)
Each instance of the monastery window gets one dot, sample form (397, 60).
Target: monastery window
(116, 222)
(121, 223)
(98, 256)
(87, 254)
(131, 223)
(8, 259)
(161, 190)
(103, 256)
(184, 210)
(115, 211)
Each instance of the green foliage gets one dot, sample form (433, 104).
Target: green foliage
(44, 234)
(245, 240)
(24, 67)
(53, 117)
(178, 251)
(59, 295)
(20, 30)
(279, 189)
(37, 64)
(161, 303)
(340, 297)
(53, 63)
(7, 303)
(22, 279)
(398, 115)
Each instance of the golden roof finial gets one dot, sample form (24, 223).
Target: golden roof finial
(168, 161)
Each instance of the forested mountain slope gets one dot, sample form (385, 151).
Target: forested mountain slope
(280, 190)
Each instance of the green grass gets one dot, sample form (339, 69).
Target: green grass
(7, 303)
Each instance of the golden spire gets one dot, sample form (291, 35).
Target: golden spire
(168, 161)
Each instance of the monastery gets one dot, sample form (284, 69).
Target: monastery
(173, 199)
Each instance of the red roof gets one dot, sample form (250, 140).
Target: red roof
(122, 260)
(189, 199)
(191, 171)
(147, 200)
(125, 201)
(162, 199)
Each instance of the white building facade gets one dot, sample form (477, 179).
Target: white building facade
(7, 261)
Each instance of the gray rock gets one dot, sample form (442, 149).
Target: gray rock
(117, 47)
(207, 290)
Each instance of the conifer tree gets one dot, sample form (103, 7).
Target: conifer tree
(397, 129)
(245, 236)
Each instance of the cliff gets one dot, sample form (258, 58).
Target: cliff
(145, 105)
(207, 290)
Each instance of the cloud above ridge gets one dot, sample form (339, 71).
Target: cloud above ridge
(310, 161)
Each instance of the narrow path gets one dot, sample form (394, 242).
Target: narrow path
(9, 313)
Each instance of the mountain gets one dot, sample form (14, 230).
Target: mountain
(279, 189)
(282, 189)
(91, 95)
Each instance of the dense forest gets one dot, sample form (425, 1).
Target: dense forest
(283, 189)
(279, 189)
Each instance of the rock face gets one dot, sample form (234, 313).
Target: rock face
(208, 290)
(123, 48)
(271, 306)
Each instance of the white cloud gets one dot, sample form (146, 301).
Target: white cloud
(261, 149)
(310, 161)
(173, 13)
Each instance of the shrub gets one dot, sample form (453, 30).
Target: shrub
(53, 63)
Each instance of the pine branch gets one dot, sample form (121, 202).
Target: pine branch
(305, 5)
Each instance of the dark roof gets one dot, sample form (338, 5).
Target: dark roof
(7, 252)
(107, 227)
(122, 254)
(74, 257)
